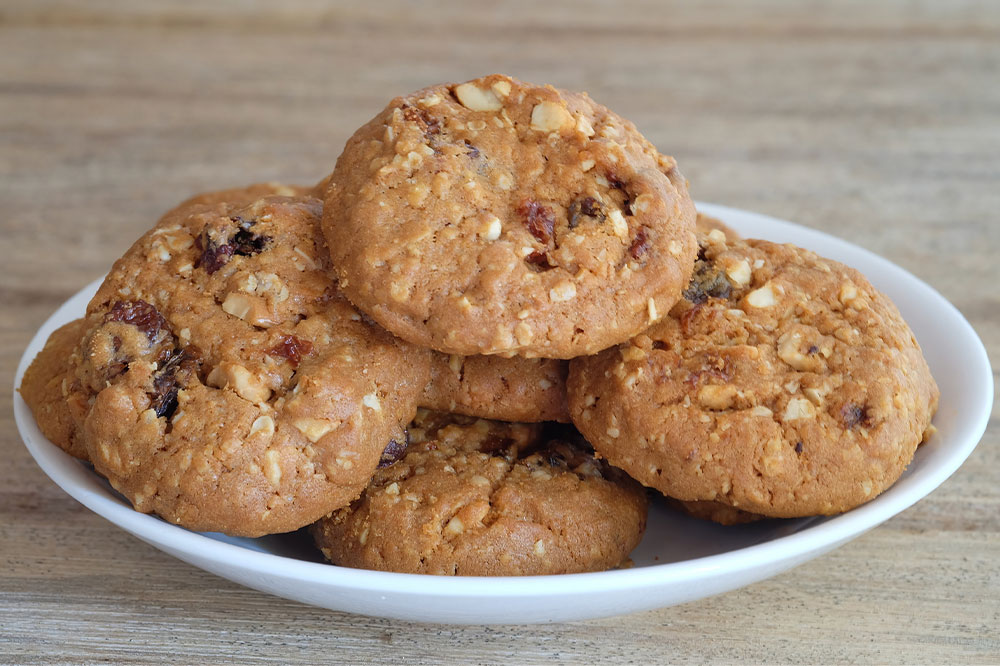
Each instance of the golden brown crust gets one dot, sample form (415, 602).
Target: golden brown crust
(46, 385)
(498, 217)
(784, 384)
(480, 498)
(233, 388)
(494, 387)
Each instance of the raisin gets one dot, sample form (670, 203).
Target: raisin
(689, 316)
(215, 254)
(614, 182)
(164, 395)
(712, 367)
(471, 150)
(586, 207)
(501, 447)
(539, 261)
(640, 244)
(852, 414)
(412, 114)
(394, 450)
(244, 242)
(555, 459)
(798, 447)
(119, 363)
(707, 282)
(539, 220)
(140, 314)
(812, 349)
(291, 348)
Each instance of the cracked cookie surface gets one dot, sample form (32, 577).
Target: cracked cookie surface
(230, 386)
(494, 387)
(783, 384)
(483, 498)
(498, 217)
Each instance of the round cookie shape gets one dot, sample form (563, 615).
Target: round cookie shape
(498, 217)
(232, 388)
(494, 387)
(783, 384)
(475, 499)
(46, 385)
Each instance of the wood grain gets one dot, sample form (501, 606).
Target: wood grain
(874, 121)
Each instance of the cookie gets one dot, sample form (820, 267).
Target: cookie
(705, 225)
(45, 388)
(233, 388)
(499, 217)
(494, 387)
(783, 384)
(479, 498)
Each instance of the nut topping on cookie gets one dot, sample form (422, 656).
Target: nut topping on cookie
(783, 385)
(517, 198)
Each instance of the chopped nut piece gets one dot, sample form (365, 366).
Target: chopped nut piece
(371, 401)
(798, 408)
(501, 88)
(314, 429)
(475, 98)
(523, 333)
(263, 424)
(716, 236)
(716, 397)
(454, 526)
(563, 291)
(493, 229)
(739, 273)
(247, 385)
(618, 223)
(272, 468)
(550, 117)
(633, 353)
(762, 297)
(237, 305)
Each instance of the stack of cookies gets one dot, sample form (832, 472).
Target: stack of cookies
(474, 346)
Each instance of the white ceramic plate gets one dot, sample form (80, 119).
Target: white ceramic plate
(679, 560)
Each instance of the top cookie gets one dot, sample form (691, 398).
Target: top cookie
(784, 384)
(498, 217)
(231, 388)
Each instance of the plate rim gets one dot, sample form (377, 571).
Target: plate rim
(829, 533)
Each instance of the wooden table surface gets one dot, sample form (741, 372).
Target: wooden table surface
(878, 122)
